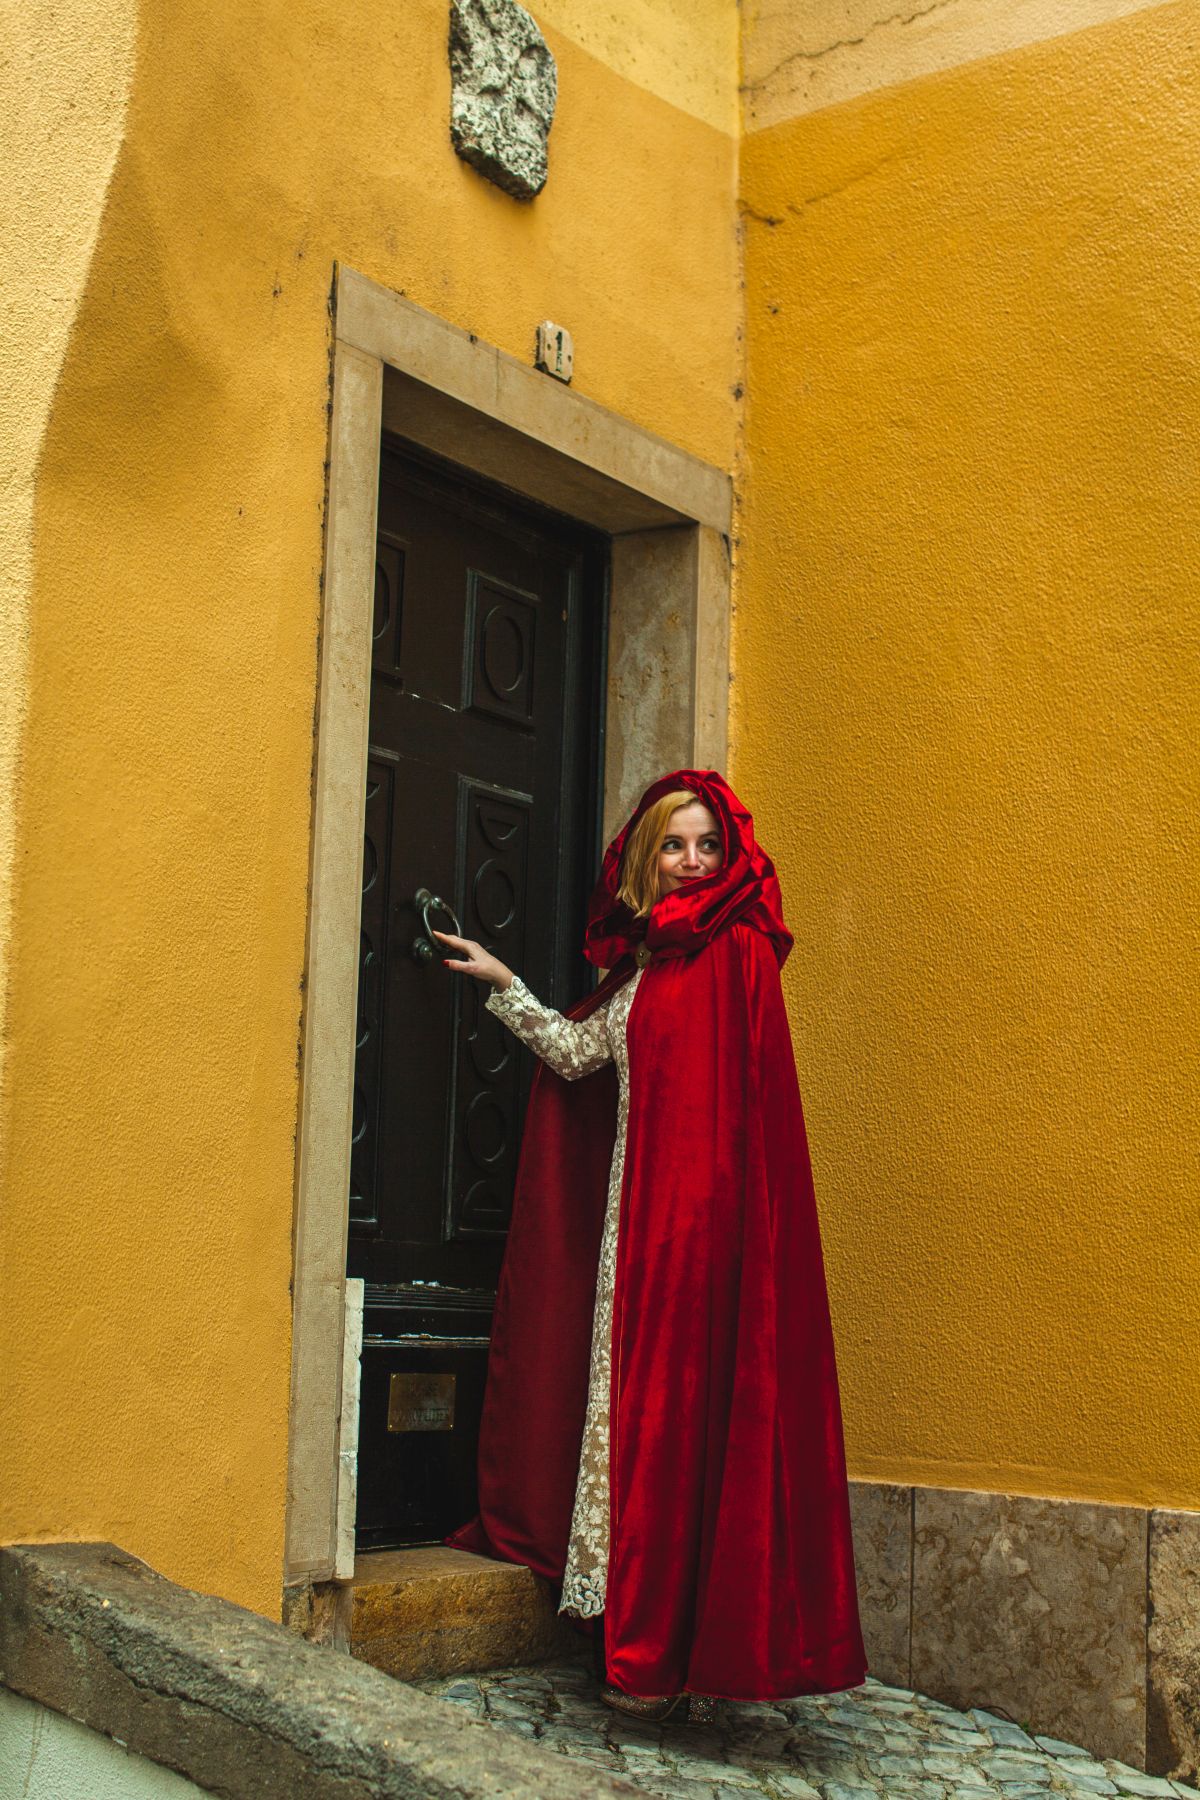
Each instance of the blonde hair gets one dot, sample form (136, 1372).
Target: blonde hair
(639, 887)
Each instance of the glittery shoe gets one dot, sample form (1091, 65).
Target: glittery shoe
(697, 1709)
(640, 1706)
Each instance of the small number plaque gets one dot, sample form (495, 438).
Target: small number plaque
(421, 1403)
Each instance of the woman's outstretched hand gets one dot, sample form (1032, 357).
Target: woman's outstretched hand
(476, 960)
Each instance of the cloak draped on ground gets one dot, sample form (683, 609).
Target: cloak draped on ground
(731, 1565)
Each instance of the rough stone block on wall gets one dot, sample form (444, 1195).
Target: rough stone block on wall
(505, 87)
(1037, 1608)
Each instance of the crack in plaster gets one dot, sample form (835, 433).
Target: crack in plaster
(923, 12)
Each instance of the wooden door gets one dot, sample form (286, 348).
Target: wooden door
(481, 791)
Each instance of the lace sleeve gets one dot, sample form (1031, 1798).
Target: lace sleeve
(572, 1047)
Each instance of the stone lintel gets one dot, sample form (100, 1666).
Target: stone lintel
(608, 452)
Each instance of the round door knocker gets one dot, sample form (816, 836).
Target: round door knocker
(424, 949)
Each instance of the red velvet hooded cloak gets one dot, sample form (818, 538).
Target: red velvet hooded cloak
(731, 1566)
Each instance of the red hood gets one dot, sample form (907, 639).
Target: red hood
(745, 887)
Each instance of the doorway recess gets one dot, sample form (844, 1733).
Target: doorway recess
(401, 371)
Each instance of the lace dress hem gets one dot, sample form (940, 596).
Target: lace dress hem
(574, 1048)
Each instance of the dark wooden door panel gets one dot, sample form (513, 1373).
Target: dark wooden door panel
(481, 787)
(495, 830)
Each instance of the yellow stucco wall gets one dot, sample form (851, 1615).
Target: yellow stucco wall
(175, 554)
(963, 705)
(68, 69)
(966, 707)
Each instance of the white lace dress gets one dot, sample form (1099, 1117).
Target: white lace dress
(574, 1048)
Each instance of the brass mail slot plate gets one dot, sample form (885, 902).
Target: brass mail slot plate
(421, 1403)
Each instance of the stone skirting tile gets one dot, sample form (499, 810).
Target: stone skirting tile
(1037, 1607)
(881, 1519)
(1077, 1619)
(1173, 1647)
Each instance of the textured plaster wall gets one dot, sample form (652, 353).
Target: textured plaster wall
(176, 550)
(66, 76)
(966, 708)
(965, 699)
(685, 51)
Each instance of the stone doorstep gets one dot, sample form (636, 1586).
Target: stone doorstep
(434, 1610)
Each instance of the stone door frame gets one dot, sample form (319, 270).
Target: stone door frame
(401, 369)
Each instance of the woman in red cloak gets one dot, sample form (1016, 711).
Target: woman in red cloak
(661, 1430)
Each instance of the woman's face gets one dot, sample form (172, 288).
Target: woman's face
(691, 847)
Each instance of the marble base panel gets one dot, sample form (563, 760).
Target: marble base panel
(881, 1519)
(1075, 1619)
(1173, 1642)
(1041, 1606)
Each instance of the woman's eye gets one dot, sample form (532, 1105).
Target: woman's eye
(671, 844)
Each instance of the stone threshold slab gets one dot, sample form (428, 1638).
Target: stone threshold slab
(434, 1610)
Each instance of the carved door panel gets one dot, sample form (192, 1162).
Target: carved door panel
(481, 790)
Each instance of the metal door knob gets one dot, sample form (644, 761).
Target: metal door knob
(424, 949)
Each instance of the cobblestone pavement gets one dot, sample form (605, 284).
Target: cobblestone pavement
(869, 1741)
